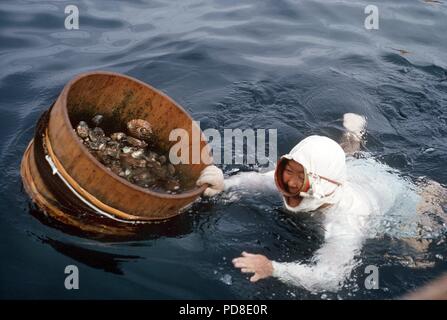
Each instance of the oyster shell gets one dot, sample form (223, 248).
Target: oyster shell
(113, 149)
(97, 145)
(136, 142)
(127, 149)
(162, 159)
(82, 129)
(103, 157)
(118, 136)
(127, 161)
(96, 134)
(97, 119)
(138, 154)
(171, 169)
(127, 156)
(140, 129)
(144, 179)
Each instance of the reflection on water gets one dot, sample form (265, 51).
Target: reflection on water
(96, 259)
(100, 228)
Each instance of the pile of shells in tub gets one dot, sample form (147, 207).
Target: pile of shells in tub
(129, 156)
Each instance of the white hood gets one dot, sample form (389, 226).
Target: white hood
(324, 157)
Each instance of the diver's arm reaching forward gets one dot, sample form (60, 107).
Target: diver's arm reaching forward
(214, 177)
(330, 265)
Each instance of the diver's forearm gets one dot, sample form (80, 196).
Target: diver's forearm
(292, 273)
(251, 181)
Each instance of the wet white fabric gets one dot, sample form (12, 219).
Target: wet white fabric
(249, 181)
(324, 157)
(372, 194)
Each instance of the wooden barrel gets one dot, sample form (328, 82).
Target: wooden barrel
(118, 98)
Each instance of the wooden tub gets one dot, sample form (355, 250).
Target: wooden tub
(80, 176)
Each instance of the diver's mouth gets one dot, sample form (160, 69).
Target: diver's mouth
(294, 191)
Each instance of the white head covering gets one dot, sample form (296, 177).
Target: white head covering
(320, 156)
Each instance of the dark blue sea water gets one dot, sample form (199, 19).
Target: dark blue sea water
(296, 66)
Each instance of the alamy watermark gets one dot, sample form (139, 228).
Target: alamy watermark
(72, 20)
(372, 280)
(372, 20)
(249, 146)
(72, 280)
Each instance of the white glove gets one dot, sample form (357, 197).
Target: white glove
(213, 176)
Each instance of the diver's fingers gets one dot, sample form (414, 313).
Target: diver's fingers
(247, 270)
(214, 179)
(210, 192)
(246, 254)
(239, 263)
(213, 176)
(255, 278)
(206, 178)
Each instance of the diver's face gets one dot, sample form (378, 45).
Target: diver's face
(293, 176)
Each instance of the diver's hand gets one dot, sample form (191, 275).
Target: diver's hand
(213, 176)
(258, 264)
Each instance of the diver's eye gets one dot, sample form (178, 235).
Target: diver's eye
(287, 170)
